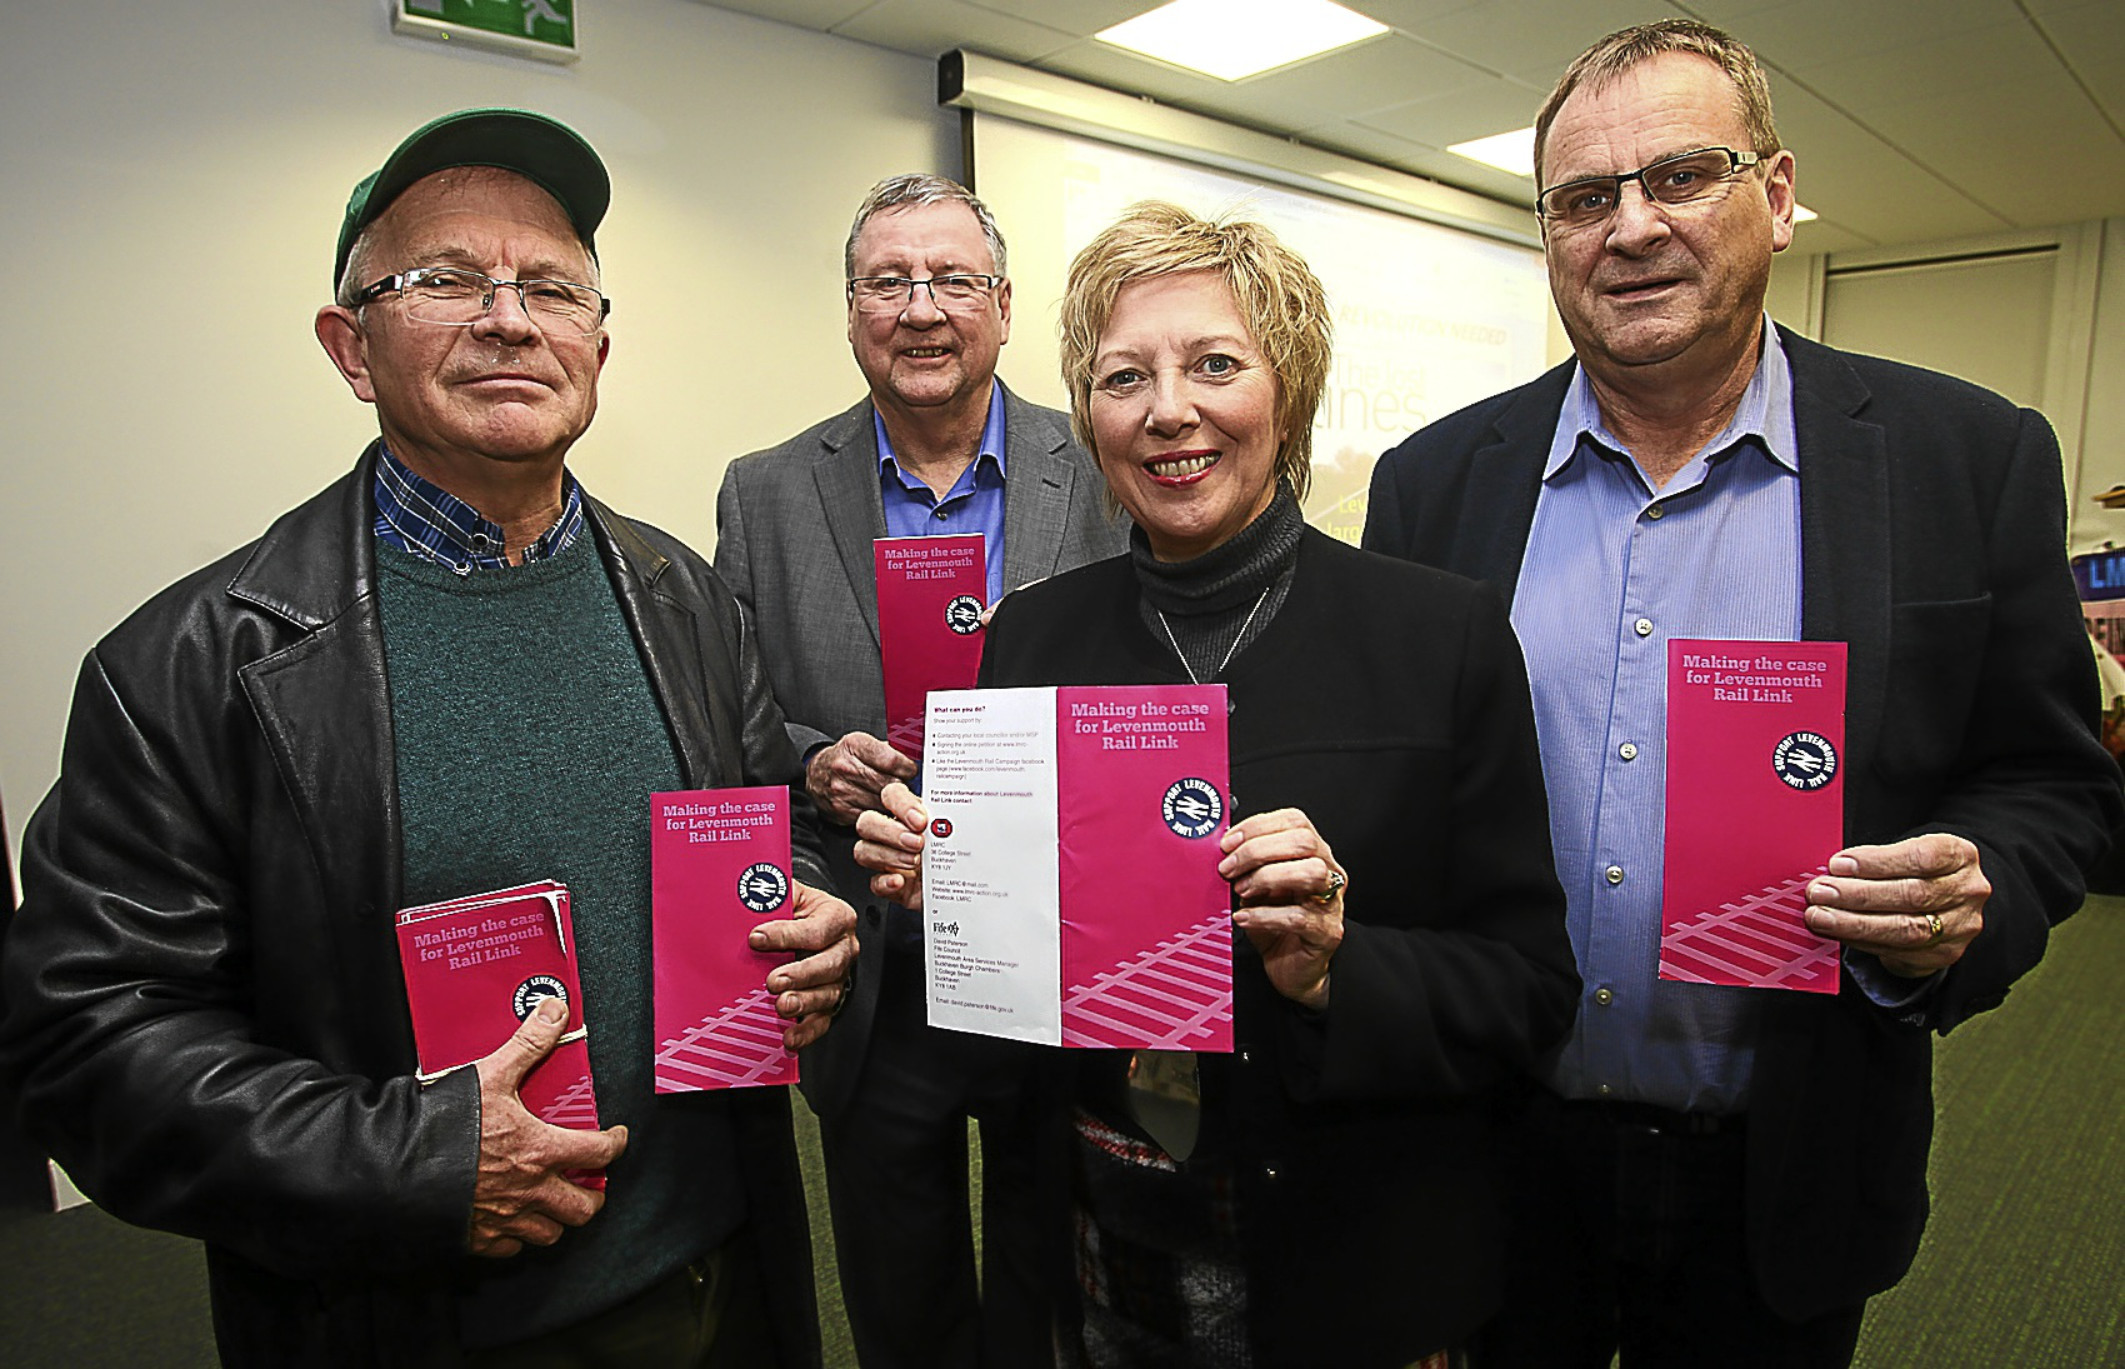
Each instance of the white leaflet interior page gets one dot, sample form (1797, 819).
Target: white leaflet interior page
(992, 917)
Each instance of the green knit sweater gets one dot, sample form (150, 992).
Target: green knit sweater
(528, 742)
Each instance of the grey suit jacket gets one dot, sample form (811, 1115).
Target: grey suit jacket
(794, 527)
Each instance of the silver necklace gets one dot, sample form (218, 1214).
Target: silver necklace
(1229, 651)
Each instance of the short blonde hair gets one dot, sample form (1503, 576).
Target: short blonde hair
(1626, 48)
(1277, 293)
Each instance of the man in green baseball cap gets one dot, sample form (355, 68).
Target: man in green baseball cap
(451, 674)
(544, 151)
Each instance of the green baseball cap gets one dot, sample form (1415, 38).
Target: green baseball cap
(544, 151)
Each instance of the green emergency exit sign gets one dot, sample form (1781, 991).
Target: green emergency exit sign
(543, 29)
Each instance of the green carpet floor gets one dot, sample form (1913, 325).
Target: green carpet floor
(2023, 1261)
(2023, 1264)
(833, 1322)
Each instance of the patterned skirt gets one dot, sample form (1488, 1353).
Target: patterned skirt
(1160, 1274)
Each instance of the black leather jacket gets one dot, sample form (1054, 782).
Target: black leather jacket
(204, 1016)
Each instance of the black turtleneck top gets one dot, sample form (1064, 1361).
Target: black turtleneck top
(1210, 607)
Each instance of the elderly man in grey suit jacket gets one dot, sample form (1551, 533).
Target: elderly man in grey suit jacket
(938, 446)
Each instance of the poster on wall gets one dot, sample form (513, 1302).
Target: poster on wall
(544, 30)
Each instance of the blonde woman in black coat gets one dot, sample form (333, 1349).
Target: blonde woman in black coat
(1400, 954)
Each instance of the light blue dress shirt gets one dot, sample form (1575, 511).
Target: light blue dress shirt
(973, 504)
(1612, 571)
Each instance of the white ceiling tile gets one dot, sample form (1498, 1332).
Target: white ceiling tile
(1366, 144)
(1274, 110)
(1474, 176)
(2046, 9)
(1995, 136)
(2090, 38)
(1532, 40)
(1906, 206)
(1824, 235)
(1309, 95)
(1411, 16)
(1958, 136)
(1498, 106)
(806, 14)
(1133, 74)
(1389, 70)
(2072, 203)
(1732, 14)
(931, 28)
(1384, 71)
(2106, 83)
(1324, 88)
(2036, 151)
(1081, 17)
(1850, 175)
(1969, 63)
(1805, 34)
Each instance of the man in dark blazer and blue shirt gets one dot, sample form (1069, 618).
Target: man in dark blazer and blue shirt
(937, 447)
(1719, 1175)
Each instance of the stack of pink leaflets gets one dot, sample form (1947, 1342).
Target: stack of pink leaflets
(931, 593)
(1755, 807)
(477, 966)
(1071, 893)
(719, 865)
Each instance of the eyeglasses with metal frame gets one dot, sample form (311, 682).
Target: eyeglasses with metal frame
(1686, 178)
(457, 297)
(891, 294)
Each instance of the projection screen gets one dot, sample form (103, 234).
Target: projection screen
(1427, 319)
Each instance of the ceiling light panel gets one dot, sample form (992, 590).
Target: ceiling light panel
(1234, 39)
(1512, 152)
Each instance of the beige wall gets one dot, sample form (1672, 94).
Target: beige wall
(1795, 296)
(173, 186)
(2103, 410)
(2038, 315)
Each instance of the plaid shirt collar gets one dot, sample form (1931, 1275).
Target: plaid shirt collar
(418, 516)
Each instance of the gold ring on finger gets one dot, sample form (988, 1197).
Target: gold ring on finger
(1934, 920)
